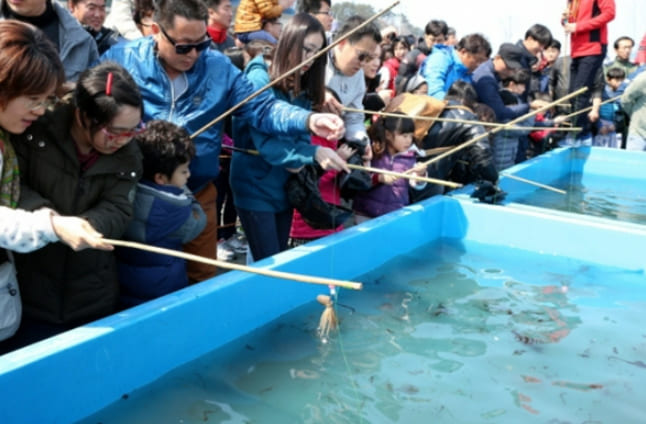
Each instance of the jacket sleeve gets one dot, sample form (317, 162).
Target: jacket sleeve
(487, 89)
(434, 71)
(607, 8)
(194, 224)
(286, 152)
(265, 112)
(112, 213)
(24, 231)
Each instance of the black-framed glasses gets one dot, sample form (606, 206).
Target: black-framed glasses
(324, 12)
(186, 48)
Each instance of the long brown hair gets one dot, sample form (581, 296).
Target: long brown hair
(29, 62)
(289, 53)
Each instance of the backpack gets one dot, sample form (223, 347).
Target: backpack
(10, 305)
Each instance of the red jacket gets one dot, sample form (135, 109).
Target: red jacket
(392, 65)
(641, 53)
(591, 18)
(329, 192)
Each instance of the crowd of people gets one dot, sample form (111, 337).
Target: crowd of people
(107, 131)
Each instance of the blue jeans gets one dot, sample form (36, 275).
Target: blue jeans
(266, 232)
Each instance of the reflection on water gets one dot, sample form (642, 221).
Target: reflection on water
(452, 333)
(602, 196)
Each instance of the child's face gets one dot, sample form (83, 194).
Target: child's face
(614, 83)
(180, 175)
(400, 50)
(516, 88)
(399, 142)
(551, 54)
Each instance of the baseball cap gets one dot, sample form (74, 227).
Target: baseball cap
(512, 55)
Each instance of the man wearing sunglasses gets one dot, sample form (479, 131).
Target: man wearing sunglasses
(189, 84)
(344, 75)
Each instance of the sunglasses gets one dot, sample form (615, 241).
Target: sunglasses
(363, 56)
(186, 48)
(113, 133)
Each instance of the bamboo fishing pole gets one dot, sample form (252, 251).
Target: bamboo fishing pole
(524, 180)
(459, 121)
(374, 170)
(534, 183)
(293, 70)
(495, 130)
(406, 176)
(227, 265)
(589, 108)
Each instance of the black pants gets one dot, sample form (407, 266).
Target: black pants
(583, 71)
(266, 232)
(226, 210)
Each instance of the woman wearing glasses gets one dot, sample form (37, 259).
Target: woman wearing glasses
(78, 160)
(30, 73)
(258, 181)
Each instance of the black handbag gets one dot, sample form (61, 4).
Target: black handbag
(304, 195)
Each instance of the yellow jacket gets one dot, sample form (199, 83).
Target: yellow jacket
(251, 13)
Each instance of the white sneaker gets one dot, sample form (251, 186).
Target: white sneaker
(237, 243)
(225, 251)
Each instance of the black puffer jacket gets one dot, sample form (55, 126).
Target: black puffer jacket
(468, 165)
(57, 284)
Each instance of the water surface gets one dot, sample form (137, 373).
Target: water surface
(450, 333)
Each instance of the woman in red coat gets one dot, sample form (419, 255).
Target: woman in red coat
(587, 22)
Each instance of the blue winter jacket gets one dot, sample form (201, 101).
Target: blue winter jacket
(214, 86)
(487, 84)
(441, 69)
(164, 216)
(258, 181)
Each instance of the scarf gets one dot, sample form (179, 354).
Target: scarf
(9, 176)
(218, 36)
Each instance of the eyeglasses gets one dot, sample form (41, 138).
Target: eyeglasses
(34, 105)
(324, 12)
(186, 48)
(114, 133)
(363, 56)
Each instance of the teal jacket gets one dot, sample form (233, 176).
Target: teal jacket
(258, 181)
(214, 86)
(441, 69)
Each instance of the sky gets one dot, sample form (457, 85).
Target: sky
(507, 20)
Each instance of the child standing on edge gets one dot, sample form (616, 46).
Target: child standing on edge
(393, 150)
(609, 115)
(165, 215)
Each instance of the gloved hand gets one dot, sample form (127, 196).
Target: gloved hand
(488, 192)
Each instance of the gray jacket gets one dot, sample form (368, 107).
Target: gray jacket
(350, 92)
(76, 48)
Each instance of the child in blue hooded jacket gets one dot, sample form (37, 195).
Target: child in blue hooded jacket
(165, 215)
